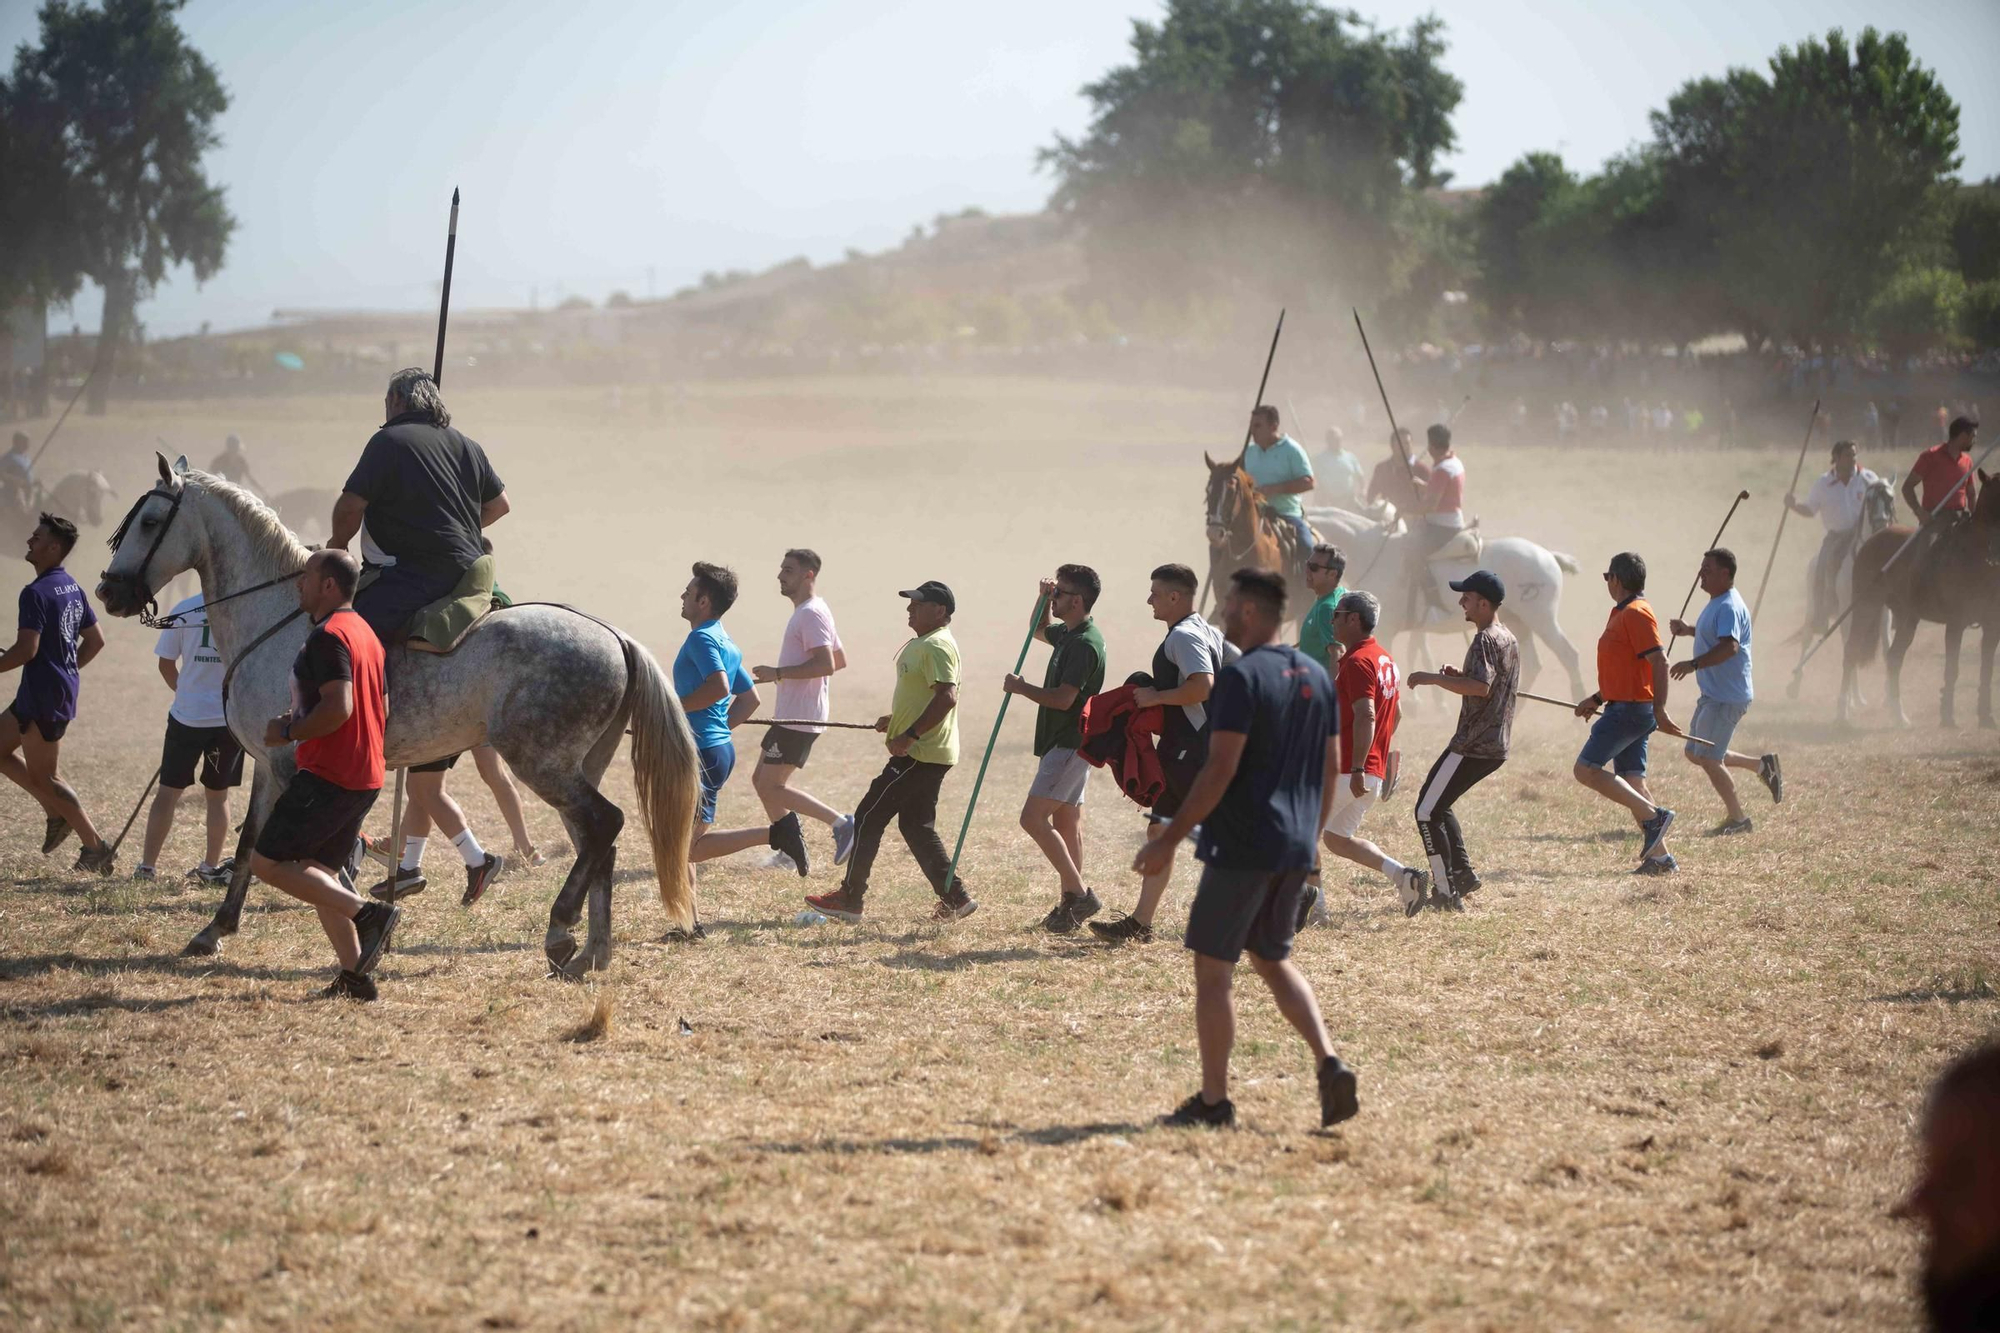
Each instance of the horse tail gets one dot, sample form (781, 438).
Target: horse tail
(666, 772)
(1566, 562)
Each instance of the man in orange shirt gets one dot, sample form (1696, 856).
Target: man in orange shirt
(1632, 691)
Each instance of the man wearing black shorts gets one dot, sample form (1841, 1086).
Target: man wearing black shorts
(337, 726)
(1260, 799)
(1184, 668)
(197, 736)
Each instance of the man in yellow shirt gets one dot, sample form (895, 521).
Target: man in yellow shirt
(922, 727)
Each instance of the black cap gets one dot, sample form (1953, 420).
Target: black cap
(930, 590)
(1484, 582)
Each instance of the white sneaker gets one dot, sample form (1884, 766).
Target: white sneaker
(779, 861)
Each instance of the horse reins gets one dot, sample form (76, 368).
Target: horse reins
(149, 616)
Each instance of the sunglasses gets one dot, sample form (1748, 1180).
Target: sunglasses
(1319, 569)
(1067, 592)
(1607, 576)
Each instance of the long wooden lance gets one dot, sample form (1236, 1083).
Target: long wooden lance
(1201, 599)
(1687, 601)
(64, 417)
(1757, 608)
(1395, 435)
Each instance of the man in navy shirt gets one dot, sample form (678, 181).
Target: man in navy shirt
(58, 637)
(1260, 800)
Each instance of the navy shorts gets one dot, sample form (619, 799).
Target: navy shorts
(52, 728)
(783, 745)
(213, 748)
(1236, 910)
(717, 763)
(1618, 737)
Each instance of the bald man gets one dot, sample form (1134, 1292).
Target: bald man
(1957, 1195)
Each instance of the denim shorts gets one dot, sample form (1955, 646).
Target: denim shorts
(1714, 720)
(1618, 738)
(717, 763)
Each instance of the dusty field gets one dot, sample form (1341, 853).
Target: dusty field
(1590, 1101)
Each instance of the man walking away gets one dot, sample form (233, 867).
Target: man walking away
(1325, 568)
(922, 727)
(337, 729)
(1369, 695)
(196, 733)
(1053, 815)
(1260, 799)
(807, 658)
(1184, 667)
(1632, 691)
(58, 637)
(1836, 499)
(1485, 686)
(1721, 668)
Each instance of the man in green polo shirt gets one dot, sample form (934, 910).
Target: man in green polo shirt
(1053, 815)
(1283, 473)
(1325, 568)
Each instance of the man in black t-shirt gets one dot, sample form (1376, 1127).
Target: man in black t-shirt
(1260, 800)
(426, 491)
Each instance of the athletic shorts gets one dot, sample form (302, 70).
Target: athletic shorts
(52, 729)
(1618, 737)
(1714, 720)
(221, 758)
(314, 820)
(1061, 776)
(1236, 910)
(444, 765)
(1348, 809)
(782, 745)
(1180, 771)
(717, 763)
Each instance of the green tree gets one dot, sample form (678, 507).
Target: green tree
(1257, 148)
(1974, 230)
(137, 106)
(1979, 321)
(1917, 310)
(39, 257)
(1512, 283)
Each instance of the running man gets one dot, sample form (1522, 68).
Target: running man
(431, 804)
(718, 696)
(1325, 568)
(196, 734)
(336, 726)
(1053, 815)
(58, 638)
(807, 658)
(1721, 668)
(1184, 667)
(1260, 797)
(922, 731)
(1486, 687)
(1370, 701)
(1836, 500)
(1279, 466)
(1632, 691)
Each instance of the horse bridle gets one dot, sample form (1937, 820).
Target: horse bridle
(149, 616)
(1218, 517)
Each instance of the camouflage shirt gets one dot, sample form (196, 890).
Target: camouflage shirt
(1484, 724)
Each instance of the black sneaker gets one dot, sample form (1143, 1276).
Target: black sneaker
(1072, 911)
(1337, 1099)
(480, 878)
(351, 986)
(1194, 1113)
(53, 833)
(1773, 777)
(98, 860)
(374, 924)
(403, 884)
(214, 875)
(1122, 930)
(789, 838)
(1655, 829)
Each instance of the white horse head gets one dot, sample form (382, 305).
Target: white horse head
(173, 528)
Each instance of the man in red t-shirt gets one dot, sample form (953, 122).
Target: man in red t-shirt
(1941, 467)
(1368, 692)
(336, 723)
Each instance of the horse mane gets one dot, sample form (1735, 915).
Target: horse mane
(269, 538)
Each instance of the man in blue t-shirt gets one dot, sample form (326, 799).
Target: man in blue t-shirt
(717, 695)
(1721, 668)
(58, 637)
(1260, 801)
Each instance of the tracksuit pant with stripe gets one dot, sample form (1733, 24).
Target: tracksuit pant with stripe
(1450, 777)
(907, 792)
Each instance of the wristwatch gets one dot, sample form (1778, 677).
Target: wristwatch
(286, 732)
(909, 734)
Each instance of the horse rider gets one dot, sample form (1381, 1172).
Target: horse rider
(232, 465)
(1399, 479)
(1940, 468)
(17, 474)
(1836, 500)
(426, 491)
(1337, 473)
(1278, 465)
(1443, 507)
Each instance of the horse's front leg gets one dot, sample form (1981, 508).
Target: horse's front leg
(208, 940)
(1954, 638)
(1989, 639)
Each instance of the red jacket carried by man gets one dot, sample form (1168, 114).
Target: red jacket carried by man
(1120, 735)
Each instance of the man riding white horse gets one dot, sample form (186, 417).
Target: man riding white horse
(1836, 499)
(425, 491)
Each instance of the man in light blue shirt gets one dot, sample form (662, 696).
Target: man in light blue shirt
(1721, 668)
(1337, 474)
(1279, 466)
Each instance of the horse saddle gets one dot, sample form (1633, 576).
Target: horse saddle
(1464, 549)
(444, 623)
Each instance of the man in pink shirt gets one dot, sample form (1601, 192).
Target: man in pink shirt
(807, 659)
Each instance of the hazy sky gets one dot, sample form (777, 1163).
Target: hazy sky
(607, 144)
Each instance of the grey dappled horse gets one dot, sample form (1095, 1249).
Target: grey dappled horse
(551, 688)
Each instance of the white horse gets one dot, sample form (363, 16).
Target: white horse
(1878, 511)
(1382, 561)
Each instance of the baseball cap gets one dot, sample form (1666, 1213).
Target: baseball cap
(1484, 582)
(930, 590)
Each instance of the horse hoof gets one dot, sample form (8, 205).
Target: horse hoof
(597, 955)
(204, 945)
(562, 960)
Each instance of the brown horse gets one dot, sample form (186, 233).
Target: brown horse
(1959, 586)
(1242, 536)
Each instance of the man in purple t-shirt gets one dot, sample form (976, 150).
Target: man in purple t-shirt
(58, 637)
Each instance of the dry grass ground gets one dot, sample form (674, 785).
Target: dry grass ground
(1590, 1101)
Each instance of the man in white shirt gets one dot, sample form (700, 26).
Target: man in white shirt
(807, 659)
(1836, 499)
(193, 669)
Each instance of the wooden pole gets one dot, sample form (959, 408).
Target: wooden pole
(1798, 470)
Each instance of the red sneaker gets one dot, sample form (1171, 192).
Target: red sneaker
(836, 904)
